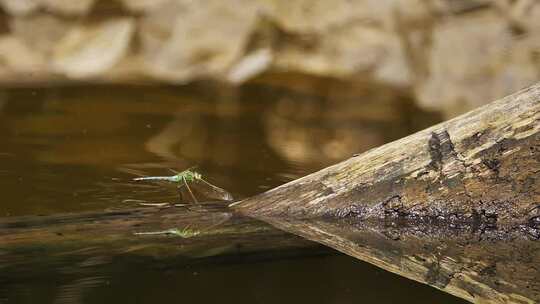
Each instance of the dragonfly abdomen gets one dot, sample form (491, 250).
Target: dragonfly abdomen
(154, 178)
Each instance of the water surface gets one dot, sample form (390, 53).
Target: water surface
(77, 149)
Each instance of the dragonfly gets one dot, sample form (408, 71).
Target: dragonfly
(190, 177)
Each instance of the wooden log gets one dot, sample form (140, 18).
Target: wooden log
(456, 206)
(482, 164)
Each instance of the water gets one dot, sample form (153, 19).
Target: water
(322, 279)
(77, 149)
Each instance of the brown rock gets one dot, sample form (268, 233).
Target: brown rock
(474, 59)
(91, 51)
(67, 7)
(143, 5)
(19, 7)
(41, 33)
(451, 55)
(19, 57)
(179, 44)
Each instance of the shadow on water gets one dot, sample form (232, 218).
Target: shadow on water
(77, 150)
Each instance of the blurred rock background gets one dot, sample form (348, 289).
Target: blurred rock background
(446, 55)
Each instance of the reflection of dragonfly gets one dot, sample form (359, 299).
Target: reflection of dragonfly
(189, 177)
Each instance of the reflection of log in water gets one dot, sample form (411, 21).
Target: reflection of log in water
(79, 252)
(477, 265)
(80, 240)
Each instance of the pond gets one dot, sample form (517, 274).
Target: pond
(77, 149)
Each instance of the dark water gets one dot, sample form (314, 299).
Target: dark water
(77, 149)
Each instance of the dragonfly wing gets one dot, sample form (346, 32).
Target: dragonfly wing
(211, 191)
(185, 195)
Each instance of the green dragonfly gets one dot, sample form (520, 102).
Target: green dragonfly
(190, 177)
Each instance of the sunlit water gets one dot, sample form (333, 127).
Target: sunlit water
(78, 149)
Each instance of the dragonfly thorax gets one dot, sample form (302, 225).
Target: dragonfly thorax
(188, 176)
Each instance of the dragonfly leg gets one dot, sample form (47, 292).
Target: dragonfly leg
(187, 187)
(173, 171)
(181, 194)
